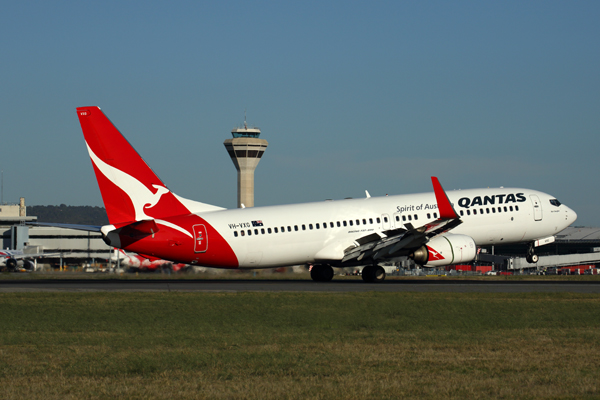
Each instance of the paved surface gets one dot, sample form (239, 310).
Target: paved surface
(83, 285)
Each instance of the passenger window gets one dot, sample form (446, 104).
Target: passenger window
(494, 210)
(276, 231)
(370, 220)
(416, 217)
(461, 213)
(505, 210)
(428, 216)
(249, 232)
(358, 222)
(410, 217)
(296, 228)
(510, 208)
(269, 230)
(290, 228)
(364, 221)
(350, 222)
(344, 222)
(378, 220)
(385, 219)
(499, 209)
(317, 226)
(516, 208)
(404, 218)
(468, 212)
(256, 231)
(434, 215)
(242, 233)
(474, 212)
(487, 210)
(303, 227)
(235, 233)
(338, 224)
(309, 226)
(331, 224)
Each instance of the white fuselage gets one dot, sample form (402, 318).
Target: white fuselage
(265, 237)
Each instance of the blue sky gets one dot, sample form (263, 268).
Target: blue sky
(351, 95)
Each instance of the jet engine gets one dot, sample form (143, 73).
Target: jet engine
(14, 265)
(445, 250)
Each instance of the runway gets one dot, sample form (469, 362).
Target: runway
(299, 285)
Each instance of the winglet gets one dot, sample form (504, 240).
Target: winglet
(444, 206)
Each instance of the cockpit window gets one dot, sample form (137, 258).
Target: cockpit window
(555, 202)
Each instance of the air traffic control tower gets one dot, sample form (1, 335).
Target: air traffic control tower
(245, 150)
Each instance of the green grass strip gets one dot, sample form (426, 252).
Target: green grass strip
(299, 345)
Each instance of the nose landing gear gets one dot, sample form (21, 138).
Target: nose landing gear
(531, 257)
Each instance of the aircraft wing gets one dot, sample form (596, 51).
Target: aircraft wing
(392, 243)
(32, 255)
(87, 228)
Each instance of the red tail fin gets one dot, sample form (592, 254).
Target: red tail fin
(131, 191)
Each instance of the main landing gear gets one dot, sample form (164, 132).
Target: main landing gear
(373, 274)
(321, 273)
(532, 258)
(370, 273)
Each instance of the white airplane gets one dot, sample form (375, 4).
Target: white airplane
(433, 229)
(143, 263)
(16, 260)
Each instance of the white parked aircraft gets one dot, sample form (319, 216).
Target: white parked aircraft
(433, 229)
(16, 260)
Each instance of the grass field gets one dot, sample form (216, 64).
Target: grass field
(299, 345)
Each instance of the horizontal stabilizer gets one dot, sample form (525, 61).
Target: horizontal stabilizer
(140, 228)
(87, 228)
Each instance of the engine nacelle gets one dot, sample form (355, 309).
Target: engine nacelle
(445, 250)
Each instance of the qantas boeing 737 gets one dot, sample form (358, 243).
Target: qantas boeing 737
(434, 229)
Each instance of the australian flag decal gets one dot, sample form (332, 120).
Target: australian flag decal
(257, 223)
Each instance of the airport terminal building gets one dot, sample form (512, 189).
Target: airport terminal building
(67, 246)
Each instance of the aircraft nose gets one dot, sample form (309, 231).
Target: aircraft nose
(571, 216)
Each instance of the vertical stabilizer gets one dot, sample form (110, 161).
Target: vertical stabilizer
(131, 191)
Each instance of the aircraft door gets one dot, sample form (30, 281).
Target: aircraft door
(537, 207)
(200, 239)
(385, 221)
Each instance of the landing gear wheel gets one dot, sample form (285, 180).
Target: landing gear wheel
(378, 274)
(532, 258)
(321, 273)
(373, 274)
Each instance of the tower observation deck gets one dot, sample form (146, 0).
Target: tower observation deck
(245, 150)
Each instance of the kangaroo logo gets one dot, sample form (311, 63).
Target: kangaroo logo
(141, 197)
(435, 255)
